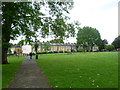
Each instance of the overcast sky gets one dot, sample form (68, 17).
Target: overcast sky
(99, 14)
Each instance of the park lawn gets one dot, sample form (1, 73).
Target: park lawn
(8, 70)
(81, 70)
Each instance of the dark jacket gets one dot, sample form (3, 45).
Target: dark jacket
(30, 54)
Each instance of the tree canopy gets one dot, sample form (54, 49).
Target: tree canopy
(36, 45)
(116, 42)
(88, 37)
(57, 41)
(109, 47)
(22, 42)
(46, 46)
(102, 45)
(27, 19)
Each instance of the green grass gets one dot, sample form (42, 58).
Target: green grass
(81, 70)
(8, 70)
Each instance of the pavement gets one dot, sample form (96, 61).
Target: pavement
(29, 75)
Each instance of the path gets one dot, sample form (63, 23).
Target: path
(29, 76)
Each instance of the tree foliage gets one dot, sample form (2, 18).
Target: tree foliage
(102, 45)
(57, 41)
(22, 42)
(109, 47)
(88, 37)
(25, 18)
(46, 46)
(116, 42)
(36, 45)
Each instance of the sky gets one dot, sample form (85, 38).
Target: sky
(99, 14)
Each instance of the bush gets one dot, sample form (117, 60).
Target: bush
(80, 49)
(55, 51)
(50, 52)
(109, 47)
(42, 52)
(73, 50)
(61, 51)
(96, 51)
(15, 52)
(38, 52)
(33, 53)
(66, 51)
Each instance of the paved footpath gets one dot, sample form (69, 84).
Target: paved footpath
(29, 76)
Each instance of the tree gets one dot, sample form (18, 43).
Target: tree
(102, 45)
(57, 41)
(9, 51)
(87, 37)
(105, 41)
(15, 53)
(109, 47)
(36, 45)
(21, 42)
(25, 18)
(46, 46)
(116, 42)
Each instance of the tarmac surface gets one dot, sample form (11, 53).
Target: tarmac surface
(29, 76)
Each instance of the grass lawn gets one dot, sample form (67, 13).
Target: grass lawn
(81, 70)
(8, 70)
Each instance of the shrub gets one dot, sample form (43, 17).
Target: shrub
(96, 51)
(42, 52)
(73, 50)
(38, 52)
(33, 53)
(50, 52)
(80, 49)
(15, 52)
(66, 51)
(61, 51)
(109, 47)
(55, 51)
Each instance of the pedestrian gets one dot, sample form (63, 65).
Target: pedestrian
(30, 55)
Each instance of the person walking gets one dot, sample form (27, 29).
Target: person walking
(30, 55)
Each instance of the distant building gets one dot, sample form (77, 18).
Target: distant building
(57, 46)
(118, 49)
(26, 49)
(16, 49)
(95, 48)
(88, 49)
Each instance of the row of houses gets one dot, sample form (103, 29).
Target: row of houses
(26, 49)
(57, 46)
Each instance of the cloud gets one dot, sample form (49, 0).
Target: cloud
(100, 14)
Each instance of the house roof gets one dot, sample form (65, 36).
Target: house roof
(58, 44)
(16, 46)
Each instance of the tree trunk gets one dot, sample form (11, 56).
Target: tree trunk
(5, 46)
(4, 55)
(77, 47)
(6, 30)
(84, 48)
(91, 49)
